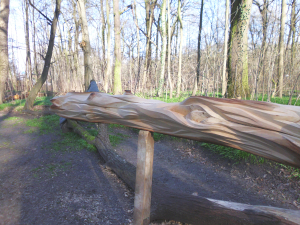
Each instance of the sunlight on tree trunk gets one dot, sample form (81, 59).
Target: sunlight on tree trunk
(35, 89)
(4, 66)
(224, 79)
(118, 58)
(281, 48)
(85, 44)
(180, 50)
(163, 48)
(237, 62)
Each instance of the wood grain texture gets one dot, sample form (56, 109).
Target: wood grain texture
(265, 129)
(143, 180)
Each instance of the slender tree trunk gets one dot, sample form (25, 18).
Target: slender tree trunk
(169, 51)
(4, 66)
(35, 89)
(163, 48)
(103, 28)
(34, 46)
(76, 43)
(197, 81)
(237, 62)
(264, 13)
(180, 50)
(224, 81)
(138, 43)
(148, 29)
(28, 58)
(107, 78)
(85, 44)
(117, 51)
(281, 48)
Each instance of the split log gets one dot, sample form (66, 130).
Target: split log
(171, 205)
(265, 129)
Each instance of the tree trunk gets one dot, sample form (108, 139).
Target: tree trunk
(4, 66)
(237, 62)
(35, 89)
(281, 48)
(118, 57)
(163, 47)
(224, 80)
(266, 129)
(76, 43)
(108, 77)
(167, 204)
(28, 58)
(197, 81)
(180, 50)
(169, 50)
(85, 44)
(264, 13)
(137, 45)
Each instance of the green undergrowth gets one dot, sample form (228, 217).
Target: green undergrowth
(117, 139)
(21, 103)
(72, 142)
(294, 172)
(45, 124)
(233, 154)
(14, 120)
(240, 156)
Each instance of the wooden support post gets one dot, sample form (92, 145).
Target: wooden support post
(143, 182)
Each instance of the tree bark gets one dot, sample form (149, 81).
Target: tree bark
(224, 79)
(4, 67)
(163, 47)
(28, 58)
(118, 57)
(167, 204)
(197, 81)
(237, 62)
(85, 44)
(169, 50)
(265, 129)
(281, 48)
(180, 50)
(108, 77)
(35, 89)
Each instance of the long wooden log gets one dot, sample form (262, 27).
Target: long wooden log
(172, 205)
(265, 129)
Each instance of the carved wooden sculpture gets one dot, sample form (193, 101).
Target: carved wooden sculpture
(265, 129)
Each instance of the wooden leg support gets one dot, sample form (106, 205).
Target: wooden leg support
(143, 183)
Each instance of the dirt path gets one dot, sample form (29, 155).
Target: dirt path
(44, 181)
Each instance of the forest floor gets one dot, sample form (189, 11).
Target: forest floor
(47, 177)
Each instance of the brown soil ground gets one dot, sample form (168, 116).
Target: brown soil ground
(41, 186)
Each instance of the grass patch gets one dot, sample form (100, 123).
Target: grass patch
(46, 124)
(72, 142)
(93, 132)
(116, 139)
(30, 131)
(111, 126)
(295, 172)
(52, 169)
(21, 102)
(233, 154)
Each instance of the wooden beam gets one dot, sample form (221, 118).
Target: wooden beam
(143, 181)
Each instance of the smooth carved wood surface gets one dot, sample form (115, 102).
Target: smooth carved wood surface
(265, 129)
